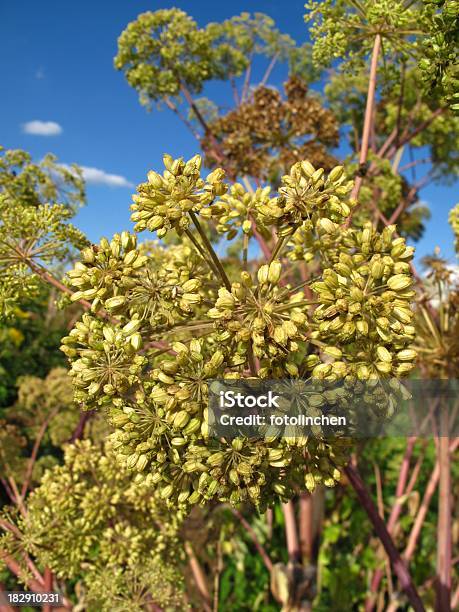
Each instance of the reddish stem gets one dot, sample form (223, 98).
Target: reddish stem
(444, 534)
(369, 115)
(393, 517)
(380, 528)
(291, 533)
(253, 536)
(422, 511)
(48, 578)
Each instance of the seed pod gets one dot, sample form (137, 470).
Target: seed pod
(136, 341)
(131, 327)
(406, 355)
(383, 366)
(115, 302)
(142, 463)
(167, 491)
(155, 179)
(192, 427)
(244, 469)
(274, 272)
(275, 454)
(262, 274)
(191, 285)
(335, 174)
(216, 459)
(109, 334)
(362, 327)
(328, 226)
(377, 270)
(403, 314)
(181, 419)
(322, 370)
(132, 461)
(307, 168)
(399, 282)
(234, 477)
(383, 354)
(334, 351)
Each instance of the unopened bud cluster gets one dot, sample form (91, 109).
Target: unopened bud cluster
(167, 321)
(260, 315)
(163, 203)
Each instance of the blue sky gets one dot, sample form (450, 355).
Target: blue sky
(57, 66)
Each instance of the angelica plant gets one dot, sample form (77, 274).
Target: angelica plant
(179, 317)
(88, 522)
(36, 239)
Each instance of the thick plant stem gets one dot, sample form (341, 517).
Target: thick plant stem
(78, 432)
(380, 528)
(48, 578)
(36, 448)
(278, 247)
(367, 124)
(306, 526)
(199, 577)
(48, 278)
(269, 69)
(6, 607)
(291, 533)
(216, 261)
(443, 585)
(202, 252)
(219, 156)
(32, 583)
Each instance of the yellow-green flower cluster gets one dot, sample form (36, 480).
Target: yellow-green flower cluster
(238, 209)
(88, 513)
(105, 365)
(104, 268)
(365, 304)
(308, 194)
(158, 285)
(176, 319)
(16, 283)
(260, 316)
(164, 437)
(164, 201)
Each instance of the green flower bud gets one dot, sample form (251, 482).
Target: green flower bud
(399, 282)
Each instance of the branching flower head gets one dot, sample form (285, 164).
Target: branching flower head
(177, 322)
(306, 194)
(260, 316)
(163, 203)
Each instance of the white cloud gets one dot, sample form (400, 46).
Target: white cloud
(42, 128)
(40, 73)
(95, 176)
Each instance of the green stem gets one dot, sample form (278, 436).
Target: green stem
(211, 251)
(201, 251)
(279, 244)
(245, 251)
